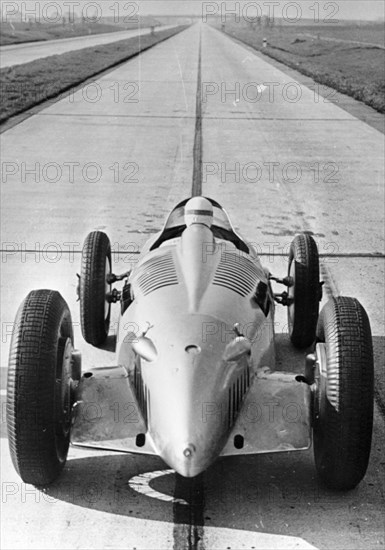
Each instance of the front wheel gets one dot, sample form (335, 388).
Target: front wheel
(343, 397)
(304, 290)
(95, 309)
(40, 387)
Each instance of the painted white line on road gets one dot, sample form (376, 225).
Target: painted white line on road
(214, 536)
(236, 538)
(141, 484)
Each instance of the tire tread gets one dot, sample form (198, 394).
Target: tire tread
(96, 250)
(31, 385)
(347, 430)
(304, 253)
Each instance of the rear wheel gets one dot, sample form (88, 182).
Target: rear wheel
(39, 388)
(304, 292)
(343, 399)
(95, 310)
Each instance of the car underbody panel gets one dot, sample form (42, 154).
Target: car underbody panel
(275, 416)
(107, 415)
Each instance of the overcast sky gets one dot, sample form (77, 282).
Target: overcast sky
(338, 9)
(348, 9)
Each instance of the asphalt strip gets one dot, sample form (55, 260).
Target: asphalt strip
(188, 520)
(198, 144)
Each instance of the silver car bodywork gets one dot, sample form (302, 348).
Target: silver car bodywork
(195, 365)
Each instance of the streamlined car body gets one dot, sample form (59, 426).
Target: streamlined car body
(195, 375)
(191, 344)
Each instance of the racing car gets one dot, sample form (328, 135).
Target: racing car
(195, 374)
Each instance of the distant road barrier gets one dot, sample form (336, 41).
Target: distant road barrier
(330, 39)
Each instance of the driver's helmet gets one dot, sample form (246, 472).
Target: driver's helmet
(198, 210)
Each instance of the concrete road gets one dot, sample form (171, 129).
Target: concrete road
(17, 54)
(116, 156)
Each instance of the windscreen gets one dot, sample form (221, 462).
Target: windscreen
(176, 217)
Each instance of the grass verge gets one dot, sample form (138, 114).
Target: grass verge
(357, 70)
(27, 85)
(24, 33)
(34, 31)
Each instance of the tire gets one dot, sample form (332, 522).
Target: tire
(343, 400)
(304, 293)
(95, 311)
(39, 387)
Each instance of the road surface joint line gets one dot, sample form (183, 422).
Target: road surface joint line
(369, 255)
(93, 116)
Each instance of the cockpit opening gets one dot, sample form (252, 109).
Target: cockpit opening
(205, 211)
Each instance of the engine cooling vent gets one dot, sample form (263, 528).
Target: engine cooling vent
(236, 394)
(142, 394)
(155, 273)
(236, 273)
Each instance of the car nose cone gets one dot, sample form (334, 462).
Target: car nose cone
(186, 440)
(188, 452)
(185, 459)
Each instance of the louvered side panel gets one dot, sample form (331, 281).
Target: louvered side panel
(155, 273)
(236, 273)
